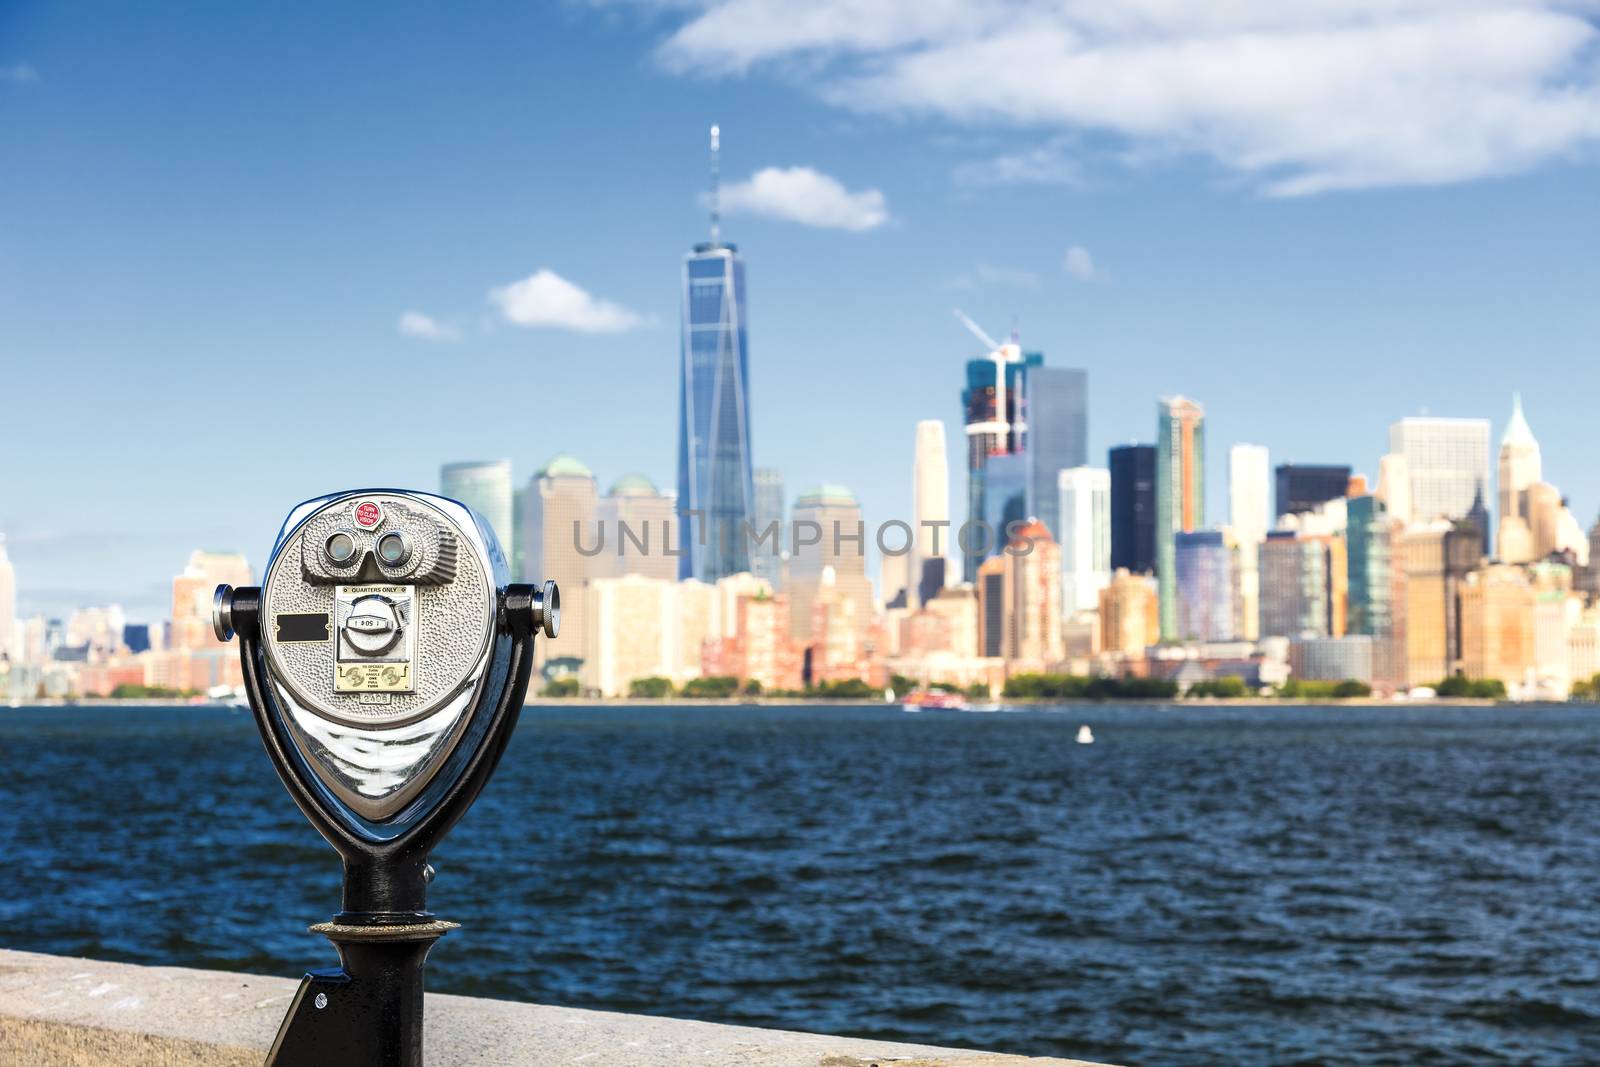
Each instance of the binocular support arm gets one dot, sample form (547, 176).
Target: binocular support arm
(385, 881)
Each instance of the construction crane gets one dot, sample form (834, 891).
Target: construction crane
(1002, 354)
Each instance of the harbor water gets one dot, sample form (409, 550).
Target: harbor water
(1199, 885)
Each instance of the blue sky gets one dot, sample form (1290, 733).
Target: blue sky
(213, 219)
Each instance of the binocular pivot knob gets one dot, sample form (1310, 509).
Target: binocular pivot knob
(547, 610)
(222, 612)
(532, 609)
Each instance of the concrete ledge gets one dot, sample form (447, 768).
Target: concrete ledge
(61, 1012)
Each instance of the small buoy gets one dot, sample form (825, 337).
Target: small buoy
(1085, 735)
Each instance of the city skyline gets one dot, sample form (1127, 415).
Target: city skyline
(1393, 586)
(492, 480)
(226, 269)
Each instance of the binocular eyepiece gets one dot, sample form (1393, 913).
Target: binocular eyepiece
(386, 656)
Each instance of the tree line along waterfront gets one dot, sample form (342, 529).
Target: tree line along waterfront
(1047, 687)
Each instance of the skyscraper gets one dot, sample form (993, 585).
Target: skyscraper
(635, 521)
(1019, 594)
(993, 408)
(991, 589)
(1498, 607)
(1129, 617)
(1544, 507)
(1436, 558)
(1294, 585)
(716, 494)
(558, 516)
(1447, 464)
(1057, 412)
(1304, 486)
(1368, 537)
(485, 487)
(1133, 508)
(1180, 493)
(894, 581)
(1521, 463)
(1250, 515)
(1203, 565)
(1007, 502)
(8, 605)
(1394, 487)
(1520, 469)
(766, 554)
(930, 507)
(1249, 509)
(1033, 600)
(1588, 577)
(829, 549)
(1085, 525)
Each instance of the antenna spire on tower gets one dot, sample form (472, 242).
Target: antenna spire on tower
(716, 184)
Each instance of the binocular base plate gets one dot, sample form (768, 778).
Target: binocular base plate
(427, 931)
(367, 1012)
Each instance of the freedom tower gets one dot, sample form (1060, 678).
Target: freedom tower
(715, 489)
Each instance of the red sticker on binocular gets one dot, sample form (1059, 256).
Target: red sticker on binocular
(368, 514)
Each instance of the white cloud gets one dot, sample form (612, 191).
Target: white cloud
(19, 73)
(989, 274)
(544, 298)
(806, 196)
(1299, 97)
(1080, 264)
(416, 324)
(1046, 164)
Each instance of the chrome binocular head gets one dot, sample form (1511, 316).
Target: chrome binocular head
(384, 629)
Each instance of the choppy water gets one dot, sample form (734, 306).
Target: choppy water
(1200, 886)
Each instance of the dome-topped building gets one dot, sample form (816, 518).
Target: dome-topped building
(554, 513)
(830, 513)
(562, 465)
(827, 494)
(633, 485)
(637, 526)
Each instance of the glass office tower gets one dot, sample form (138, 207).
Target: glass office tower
(766, 554)
(994, 411)
(1305, 487)
(1447, 461)
(1367, 533)
(1180, 494)
(1133, 508)
(1203, 566)
(1084, 500)
(1058, 435)
(716, 494)
(485, 487)
(1005, 502)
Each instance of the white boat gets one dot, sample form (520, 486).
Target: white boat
(1085, 735)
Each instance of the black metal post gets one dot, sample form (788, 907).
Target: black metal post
(368, 1011)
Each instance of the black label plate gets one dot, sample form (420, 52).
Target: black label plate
(303, 626)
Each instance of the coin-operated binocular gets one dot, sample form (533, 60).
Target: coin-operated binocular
(386, 658)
